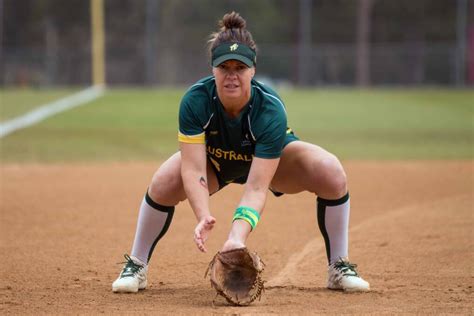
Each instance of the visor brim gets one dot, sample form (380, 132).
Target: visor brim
(247, 61)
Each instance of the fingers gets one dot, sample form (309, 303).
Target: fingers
(201, 232)
(199, 239)
(200, 245)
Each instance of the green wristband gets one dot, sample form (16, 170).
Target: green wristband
(247, 214)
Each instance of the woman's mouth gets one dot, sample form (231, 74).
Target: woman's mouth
(231, 86)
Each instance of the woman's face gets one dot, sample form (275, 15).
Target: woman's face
(233, 81)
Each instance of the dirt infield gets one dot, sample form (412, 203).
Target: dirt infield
(64, 228)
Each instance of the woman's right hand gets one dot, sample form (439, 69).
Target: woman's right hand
(202, 230)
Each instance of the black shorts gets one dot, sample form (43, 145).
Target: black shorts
(243, 179)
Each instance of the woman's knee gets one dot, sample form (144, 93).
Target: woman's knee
(334, 178)
(166, 185)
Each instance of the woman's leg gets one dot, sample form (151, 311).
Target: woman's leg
(307, 167)
(166, 190)
(156, 212)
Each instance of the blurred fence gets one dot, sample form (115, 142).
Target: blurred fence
(330, 64)
(157, 49)
(389, 64)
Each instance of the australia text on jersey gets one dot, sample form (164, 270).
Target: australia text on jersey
(228, 154)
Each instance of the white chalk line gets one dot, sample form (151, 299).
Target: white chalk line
(316, 245)
(43, 112)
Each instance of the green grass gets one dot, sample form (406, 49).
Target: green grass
(14, 102)
(386, 124)
(139, 124)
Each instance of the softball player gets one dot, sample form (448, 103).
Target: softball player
(233, 129)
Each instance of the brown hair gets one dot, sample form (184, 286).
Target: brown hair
(232, 28)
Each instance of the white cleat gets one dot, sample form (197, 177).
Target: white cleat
(342, 275)
(132, 278)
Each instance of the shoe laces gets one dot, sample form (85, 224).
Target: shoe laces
(347, 268)
(130, 268)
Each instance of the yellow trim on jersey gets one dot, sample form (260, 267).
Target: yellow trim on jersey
(192, 139)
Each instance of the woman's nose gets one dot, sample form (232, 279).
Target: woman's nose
(231, 73)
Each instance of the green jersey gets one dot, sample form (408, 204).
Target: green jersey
(260, 130)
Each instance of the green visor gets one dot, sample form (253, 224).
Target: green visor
(237, 51)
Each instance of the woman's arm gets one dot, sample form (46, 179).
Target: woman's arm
(255, 194)
(259, 179)
(194, 175)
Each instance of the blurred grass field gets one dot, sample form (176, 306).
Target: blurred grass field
(14, 102)
(141, 124)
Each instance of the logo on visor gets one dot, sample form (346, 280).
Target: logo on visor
(233, 47)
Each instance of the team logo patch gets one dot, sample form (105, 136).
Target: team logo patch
(246, 142)
(233, 47)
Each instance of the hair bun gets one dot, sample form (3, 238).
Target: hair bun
(232, 28)
(232, 21)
